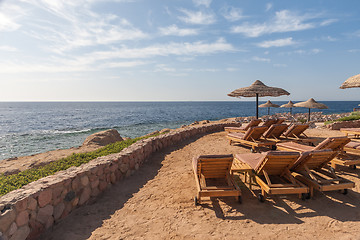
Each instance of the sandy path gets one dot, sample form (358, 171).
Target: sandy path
(157, 203)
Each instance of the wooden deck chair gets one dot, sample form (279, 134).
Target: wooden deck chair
(280, 120)
(243, 129)
(275, 131)
(213, 178)
(296, 133)
(351, 131)
(269, 122)
(336, 144)
(272, 173)
(312, 169)
(252, 138)
(350, 157)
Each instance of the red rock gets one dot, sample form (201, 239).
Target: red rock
(32, 203)
(21, 233)
(44, 214)
(12, 229)
(6, 219)
(85, 195)
(22, 218)
(84, 180)
(36, 229)
(21, 205)
(45, 197)
(58, 210)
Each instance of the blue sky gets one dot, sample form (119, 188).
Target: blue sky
(174, 50)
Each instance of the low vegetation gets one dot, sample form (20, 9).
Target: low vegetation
(16, 181)
(352, 117)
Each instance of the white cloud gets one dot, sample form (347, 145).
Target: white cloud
(277, 43)
(259, 59)
(177, 49)
(10, 14)
(163, 68)
(303, 52)
(268, 7)
(206, 3)
(284, 21)
(75, 25)
(232, 14)
(198, 17)
(328, 22)
(174, 30)
(354, 50)
(8, 49)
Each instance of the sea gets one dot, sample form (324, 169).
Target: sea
(28, 128)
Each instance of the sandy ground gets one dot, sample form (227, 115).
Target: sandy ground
(157, 203)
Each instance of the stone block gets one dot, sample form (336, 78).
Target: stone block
(12, 229)
(22, 218)
(21, 205)
(44, 214)
(6, 219)
(45, 197)
(94, 183)
(84, 180)
(85, 195)
(21, 233)
(58, 211)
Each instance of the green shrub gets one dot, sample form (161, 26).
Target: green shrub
(16, 181)
(302, 120)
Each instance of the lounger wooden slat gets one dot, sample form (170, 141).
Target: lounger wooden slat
(252, 138)
(311, 168)
(351, 132)
(215, 168)
(336, 144)
(252, 123)
(269, 167)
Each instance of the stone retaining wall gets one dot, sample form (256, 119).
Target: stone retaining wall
(344, 124)
(25, 213)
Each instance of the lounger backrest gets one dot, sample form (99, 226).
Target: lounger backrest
(213, 166)
(269, 122)
(252, 123)
(296, 130)
(314, 159)
(280, 120)
(275, 131)
(333, 143)
(275, 163)
(254, 133)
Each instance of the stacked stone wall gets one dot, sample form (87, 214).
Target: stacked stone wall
(27, 212)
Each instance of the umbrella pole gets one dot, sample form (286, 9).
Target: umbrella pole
(290, 111)
(257, 108)
(268, 111)
(309, 116)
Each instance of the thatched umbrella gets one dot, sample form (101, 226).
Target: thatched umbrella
(268, 104)
(290, 105)
(351, 82)
(311, 103)
(258, 89)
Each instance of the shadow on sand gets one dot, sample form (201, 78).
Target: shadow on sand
(106, 204)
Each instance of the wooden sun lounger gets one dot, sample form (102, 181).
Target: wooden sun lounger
(252, 138)
(312, 169)
(351, 131)
(336, 144)
(269, 122)
(252, 123)
(272, 173)
(213, 178)
(274, 132)
(296, 133)
(280, 120)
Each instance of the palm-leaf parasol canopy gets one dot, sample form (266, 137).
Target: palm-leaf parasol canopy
(268, 104)
(258, 89)
(351, 82)
(311, 103)
(290, 105)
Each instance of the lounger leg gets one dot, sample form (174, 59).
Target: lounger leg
(230, 142)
